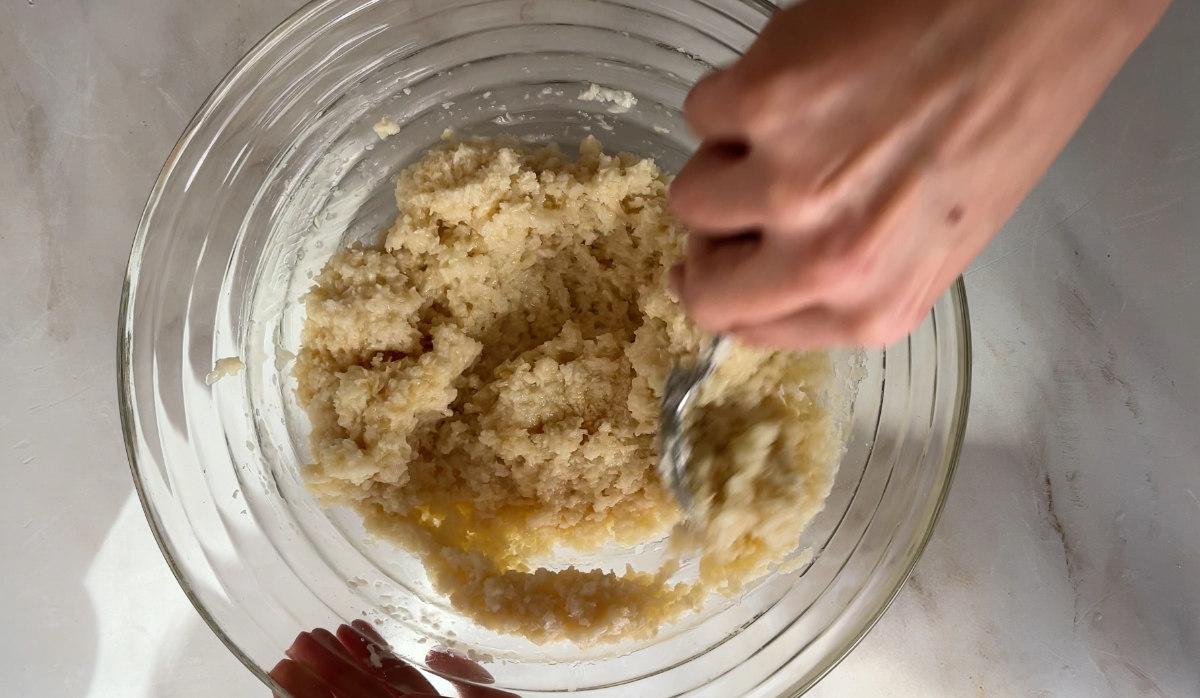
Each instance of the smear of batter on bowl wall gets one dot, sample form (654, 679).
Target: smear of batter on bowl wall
(224, 368)
(386, 127)
(621, 100)
(484, 386)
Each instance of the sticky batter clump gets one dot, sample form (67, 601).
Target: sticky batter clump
(484, 388)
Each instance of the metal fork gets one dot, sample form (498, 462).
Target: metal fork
(674, 441)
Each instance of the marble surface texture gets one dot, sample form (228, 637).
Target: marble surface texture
(1067, 562)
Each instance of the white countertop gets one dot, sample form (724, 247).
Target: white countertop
(1067, 562)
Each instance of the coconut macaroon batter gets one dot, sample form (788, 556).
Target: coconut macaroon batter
(485, 386)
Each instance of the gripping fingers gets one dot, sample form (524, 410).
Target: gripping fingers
(882, 314)
(734, 280)
(708, 107)
(720, 188)
(374, 656)
(466, 675)
(326, 658)
(823, 326)
(810, 328)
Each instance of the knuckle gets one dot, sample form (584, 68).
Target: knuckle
(686, 197)
(861, 259)
(752, 106)
(709, 85)
(699, 99)
(792, 204)
(850, 268)
(765, 99)
(711, 102)
(786, 204)
(679, 193)
(706, 309)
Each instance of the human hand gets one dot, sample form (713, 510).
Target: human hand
(356, 662)
(872, 148)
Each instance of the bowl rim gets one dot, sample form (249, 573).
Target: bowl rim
(132, 437)
(950, 456)
(125, 320)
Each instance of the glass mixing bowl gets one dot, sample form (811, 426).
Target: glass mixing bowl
(281, 166)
